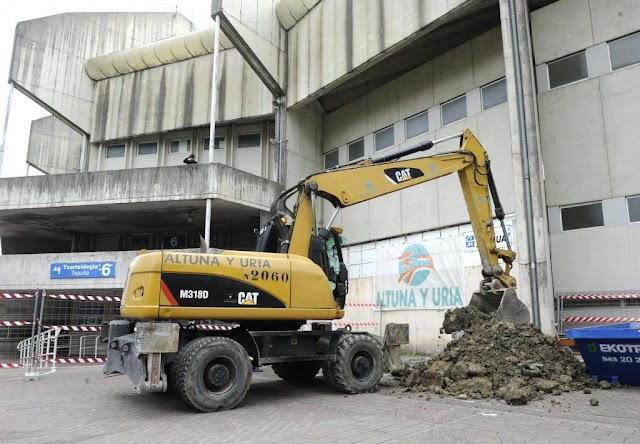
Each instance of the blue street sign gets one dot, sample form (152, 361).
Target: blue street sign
(83, 270)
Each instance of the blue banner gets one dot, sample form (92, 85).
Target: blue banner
(83, 270)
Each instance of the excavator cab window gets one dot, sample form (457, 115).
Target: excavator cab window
(267, 241)
(326, 252)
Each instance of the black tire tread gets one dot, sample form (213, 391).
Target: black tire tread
(182, 362)
(340, 370)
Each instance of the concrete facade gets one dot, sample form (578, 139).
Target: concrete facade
(54, 148)
(299, 82)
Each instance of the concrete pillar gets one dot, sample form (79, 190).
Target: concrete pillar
(531, 216)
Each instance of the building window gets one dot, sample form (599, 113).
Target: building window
(384, 138)
(416, 125)
(568, 70)
(625, 51)
(147, 148)
(582, 216)
(219, 143)
(356, 150)
(633, 203)
(331, 159)
(454, 110)
(114, 151)
(248, 140)
(180, 146)
(494, 94)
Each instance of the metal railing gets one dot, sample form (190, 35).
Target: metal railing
(39, 352)
(98, 348)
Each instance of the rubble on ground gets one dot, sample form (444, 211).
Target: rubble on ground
(497, 359)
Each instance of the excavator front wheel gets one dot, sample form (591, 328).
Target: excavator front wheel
(358, 365)
(212, 373)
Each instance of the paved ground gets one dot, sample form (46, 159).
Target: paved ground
(78, 404)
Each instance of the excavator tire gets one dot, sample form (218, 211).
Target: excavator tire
(297, 372)
(358, 366)
(212, 373)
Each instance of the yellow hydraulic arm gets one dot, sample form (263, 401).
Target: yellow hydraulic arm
(354, 183)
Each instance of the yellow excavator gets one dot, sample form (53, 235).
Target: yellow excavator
(255, 302)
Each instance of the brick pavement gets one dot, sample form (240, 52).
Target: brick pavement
(79, 404)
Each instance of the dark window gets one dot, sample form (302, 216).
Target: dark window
(625, 51)
(115, 151)
(582, 216)
(248, 140)
(454, 110)
(331, 159)
(384, 138)
(147, 148)
(494, 94)
(417, 125)
(633, 203)
(568, 70)
(356, 150)
(218, 143)
(180, 146)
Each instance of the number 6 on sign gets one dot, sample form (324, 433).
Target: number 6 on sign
(106, 269)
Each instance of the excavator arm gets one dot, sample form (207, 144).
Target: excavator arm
(354, 183)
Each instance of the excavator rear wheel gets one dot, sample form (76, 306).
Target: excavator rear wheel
(212, 373)
(303, 372)
(358, 365)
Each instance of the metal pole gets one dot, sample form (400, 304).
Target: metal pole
(524, 157)
(6, 126)
(207, 224)
(33, 329)
(212, 126)
(214, 89)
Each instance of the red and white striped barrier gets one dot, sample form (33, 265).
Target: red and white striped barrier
(61, 361)
(600, 296)
(14, 323)
(60, 327)
(10, 365)
(77, 360)
(79, 297)
(67, 297)
(75, 327)
(15, 296)
(361, 305)
(598, 319)
(355, 324)
(214, 327)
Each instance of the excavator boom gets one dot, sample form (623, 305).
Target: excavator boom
(354, 183)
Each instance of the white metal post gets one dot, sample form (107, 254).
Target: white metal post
(212, 126)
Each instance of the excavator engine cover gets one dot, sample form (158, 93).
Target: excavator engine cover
(505, 305)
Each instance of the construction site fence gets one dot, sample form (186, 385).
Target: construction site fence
(77, 315)
(590, 309)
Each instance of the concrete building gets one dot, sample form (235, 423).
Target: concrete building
(550, 87)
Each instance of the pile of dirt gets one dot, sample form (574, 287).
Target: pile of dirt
(497, 359)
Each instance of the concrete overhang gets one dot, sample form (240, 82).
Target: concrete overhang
(467, 20)
(162, 52)
(137, 200)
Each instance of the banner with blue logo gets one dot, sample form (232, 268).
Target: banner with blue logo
(79, 270)
(423, 275)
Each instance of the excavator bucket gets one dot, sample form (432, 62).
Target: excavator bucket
(505, 305)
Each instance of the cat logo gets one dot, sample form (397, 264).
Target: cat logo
(248, 298)
(399, 175)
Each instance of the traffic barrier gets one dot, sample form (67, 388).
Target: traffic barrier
(599, 319)
(214, 327)
(15, 296)
(79, 297)
(599, 296)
